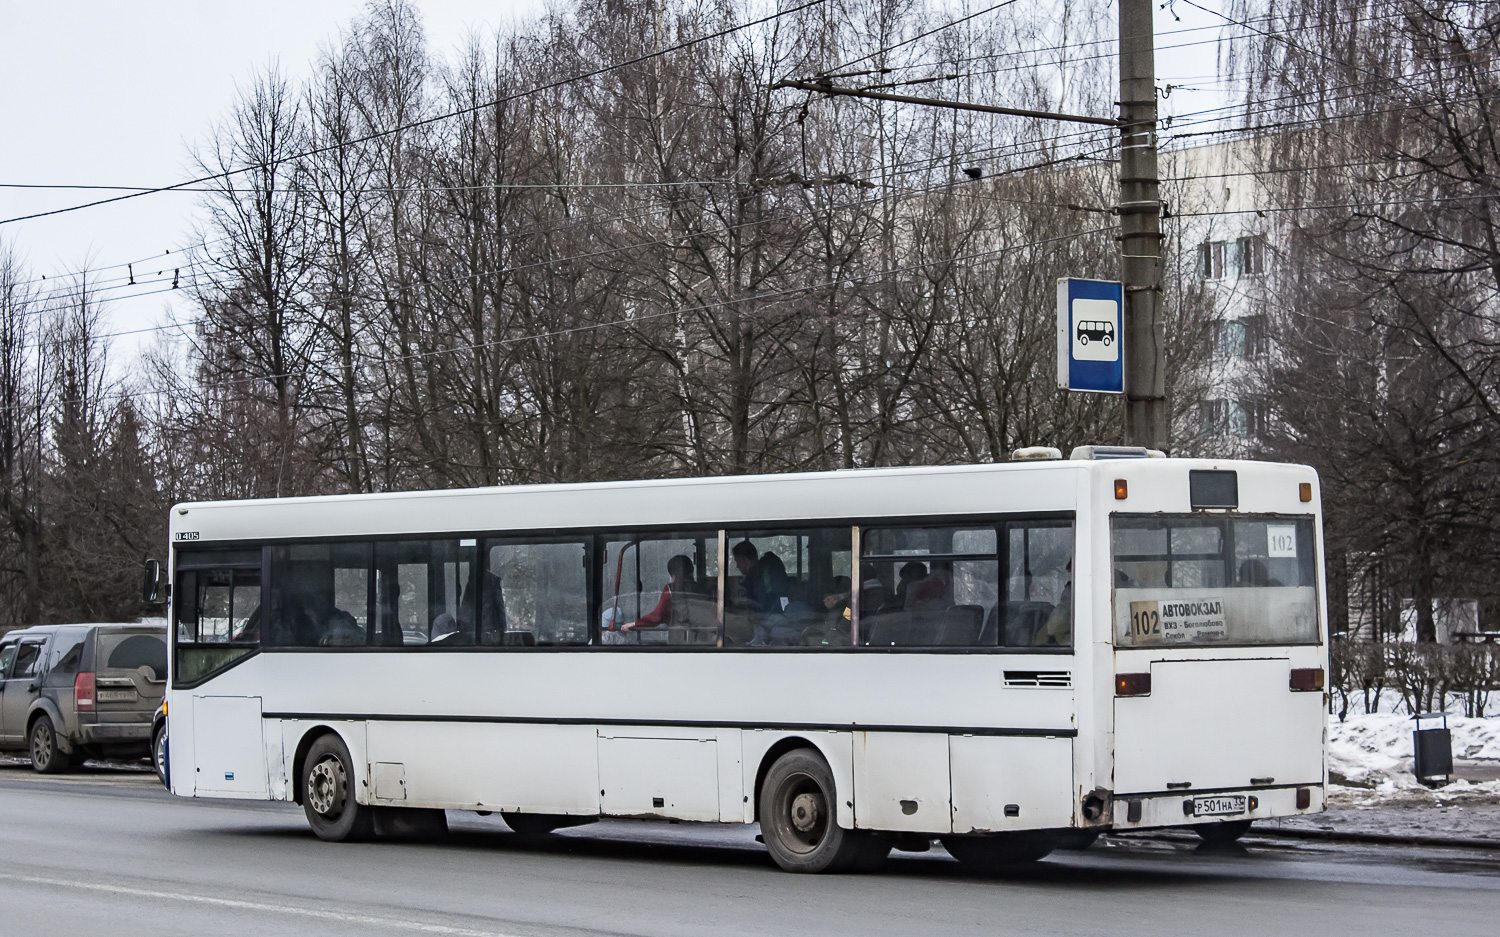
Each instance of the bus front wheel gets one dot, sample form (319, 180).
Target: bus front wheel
(328, 793)
(993, 853)
(797, 823)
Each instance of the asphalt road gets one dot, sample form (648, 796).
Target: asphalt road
(111, 853)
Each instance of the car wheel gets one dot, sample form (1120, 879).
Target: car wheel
(1083, 339)
(995, 853)
(1221, 834)
(159, 754)
(46, 757)
(328, 793)
(797, 820)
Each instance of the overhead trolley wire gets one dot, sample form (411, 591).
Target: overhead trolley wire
(470, 109)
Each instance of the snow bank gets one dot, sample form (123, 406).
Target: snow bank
(1374, 751)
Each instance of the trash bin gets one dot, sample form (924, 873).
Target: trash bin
(1432, 750)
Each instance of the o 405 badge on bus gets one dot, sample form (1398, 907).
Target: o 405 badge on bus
(1175, 622)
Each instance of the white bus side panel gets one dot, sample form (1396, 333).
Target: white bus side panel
(523, 768)
(663, 777)
(901, 781)
(1023, 774)
(229, 750)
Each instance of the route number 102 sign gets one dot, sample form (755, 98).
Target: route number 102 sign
(1090, 331)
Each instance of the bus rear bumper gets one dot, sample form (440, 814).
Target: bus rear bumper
(1191, 808)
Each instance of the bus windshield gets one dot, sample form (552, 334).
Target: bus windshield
(1214, 579)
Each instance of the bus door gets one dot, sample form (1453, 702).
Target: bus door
(1216, 647)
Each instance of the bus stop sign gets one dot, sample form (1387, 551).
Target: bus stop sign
(1090, 324)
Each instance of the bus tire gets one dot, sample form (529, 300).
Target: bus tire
(797, 820)
(159, 755)
(999, 851)
(328, 793)
(46, 756)
(1222, 834)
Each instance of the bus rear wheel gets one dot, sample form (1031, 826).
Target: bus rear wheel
(996, 852)
(797, 823)
(328, 793)
(1222, 834)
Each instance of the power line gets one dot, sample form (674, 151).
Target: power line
(380, 134)
(615, 323)
(833, 72)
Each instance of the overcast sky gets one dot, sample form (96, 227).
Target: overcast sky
(115, 93)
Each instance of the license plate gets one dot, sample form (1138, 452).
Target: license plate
(116, 696)
(1220, 806)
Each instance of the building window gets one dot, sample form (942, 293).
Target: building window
(1256, 341)
(1252, 255)
(1229, 338)
(1213, 416)
(1211, 256)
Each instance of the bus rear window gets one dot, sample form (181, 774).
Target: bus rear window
(1197, 579)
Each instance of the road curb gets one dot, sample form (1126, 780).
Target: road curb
(1332, 836)
(1385, 839)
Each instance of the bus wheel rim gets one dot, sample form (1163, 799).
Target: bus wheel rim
(801, 814)
(326, 785)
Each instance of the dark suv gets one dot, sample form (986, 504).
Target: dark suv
(70, 692)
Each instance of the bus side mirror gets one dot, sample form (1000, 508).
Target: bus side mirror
(151, 592)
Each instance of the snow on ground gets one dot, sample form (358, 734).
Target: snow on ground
(1370, 759)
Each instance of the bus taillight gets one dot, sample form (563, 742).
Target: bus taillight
(1133, 684)
(1307, 678)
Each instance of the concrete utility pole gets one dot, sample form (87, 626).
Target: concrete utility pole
(1139, 210)
(1140, 232)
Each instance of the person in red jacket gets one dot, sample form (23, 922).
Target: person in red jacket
(680, 568)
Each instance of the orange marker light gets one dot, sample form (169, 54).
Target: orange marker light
(1133, 684)
(1121, 490)
(1304, 491)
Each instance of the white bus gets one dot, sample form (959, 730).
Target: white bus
(1005, 658)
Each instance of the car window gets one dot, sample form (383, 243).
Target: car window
(7, 654)
(130, 651)
(27, 658)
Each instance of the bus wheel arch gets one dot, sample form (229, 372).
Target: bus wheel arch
(777, 749)
(797, 803)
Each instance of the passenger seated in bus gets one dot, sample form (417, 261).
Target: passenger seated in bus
(839, 600)
(763, 580)
(873, 593)
(1253, 572)
(933, 590)
(1057, 631)
(909, 573)
(342, 631)
(680, 569)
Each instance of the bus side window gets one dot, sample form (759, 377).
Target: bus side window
(1038, 607)
(928, 586)
(660, 588)
(426, 592)
(319, 595)
(218, 616)
(789, 588)
(534, 593)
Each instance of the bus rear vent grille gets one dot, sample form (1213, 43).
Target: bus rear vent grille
(1058, 678)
